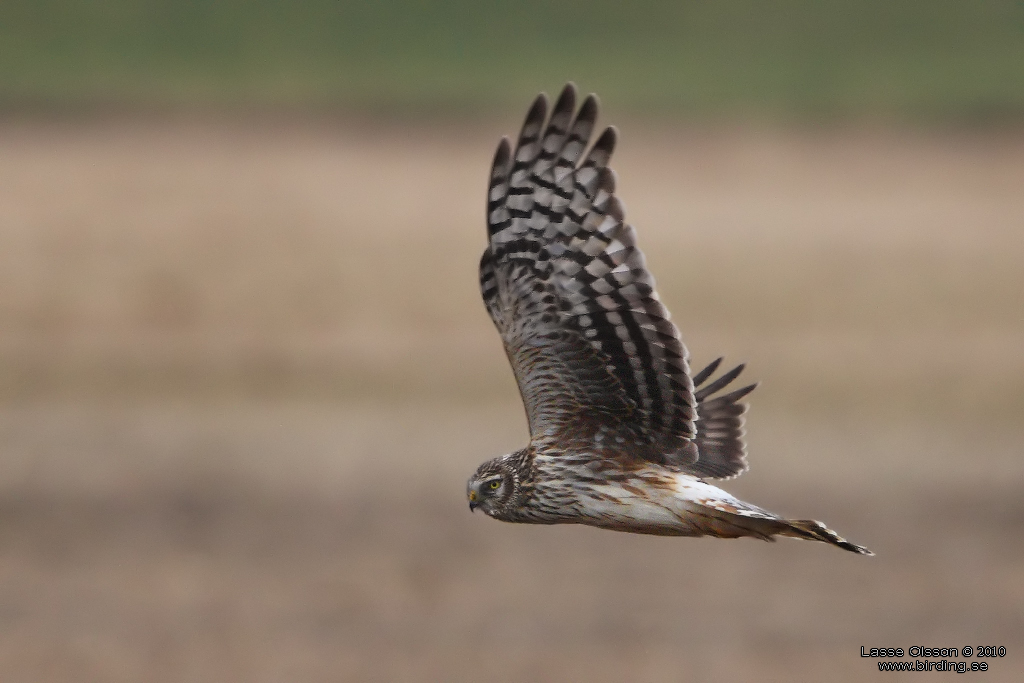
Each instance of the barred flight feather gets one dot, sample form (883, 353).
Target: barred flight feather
(719, 439)
(591, 345)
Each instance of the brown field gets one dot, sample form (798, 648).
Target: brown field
(244, 373)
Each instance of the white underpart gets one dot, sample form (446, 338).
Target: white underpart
(669, 506)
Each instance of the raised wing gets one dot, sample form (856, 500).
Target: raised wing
(592, 348)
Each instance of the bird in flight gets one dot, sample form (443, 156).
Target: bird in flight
(622, 436)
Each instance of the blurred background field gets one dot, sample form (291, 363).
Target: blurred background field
(915, 60)
(245, 371)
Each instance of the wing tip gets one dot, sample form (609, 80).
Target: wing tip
(609, 138)
(535, 117)
(502, 155)
(708, 370)
(589, 109)
(601, 152)
(720, 383)
(567, 98)
(538, 108)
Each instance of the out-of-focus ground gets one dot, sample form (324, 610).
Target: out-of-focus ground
(244, 373)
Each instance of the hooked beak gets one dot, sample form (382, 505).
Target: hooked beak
(473, 505)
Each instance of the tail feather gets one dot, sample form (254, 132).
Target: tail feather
(816, 531)
(727, 517)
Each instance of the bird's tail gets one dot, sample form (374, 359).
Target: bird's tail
(816, 531)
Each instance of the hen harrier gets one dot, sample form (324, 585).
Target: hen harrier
(621, 436)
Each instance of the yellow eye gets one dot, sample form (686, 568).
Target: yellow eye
(496, 484)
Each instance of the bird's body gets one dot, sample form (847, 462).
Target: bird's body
(622, 436)
(567, 488)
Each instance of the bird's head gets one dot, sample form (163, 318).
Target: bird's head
(492, 486)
